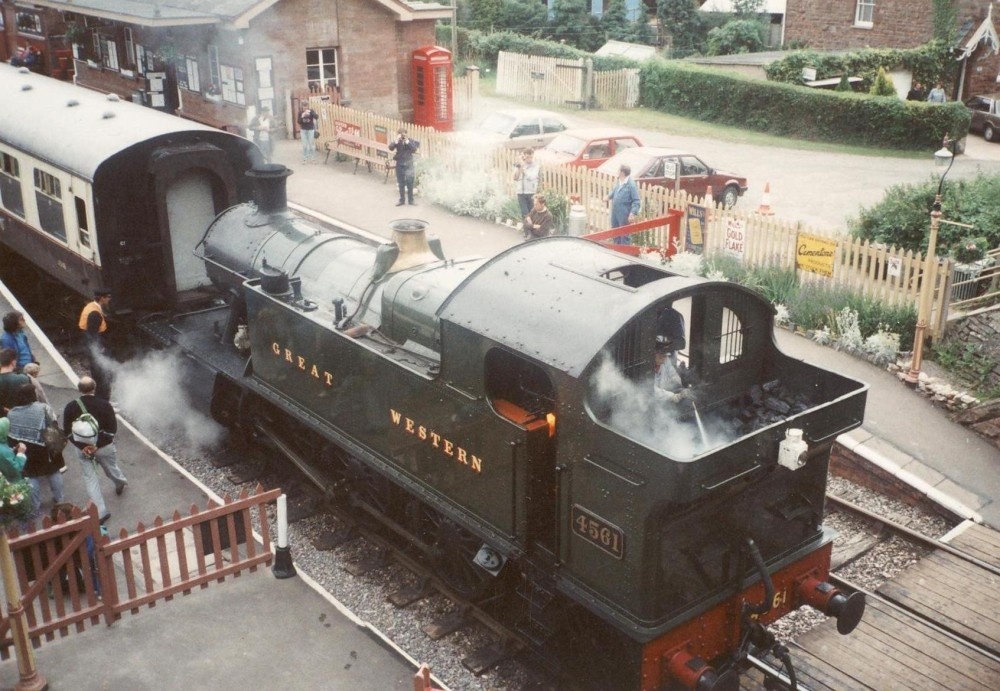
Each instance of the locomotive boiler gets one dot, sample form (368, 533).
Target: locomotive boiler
(499, 413)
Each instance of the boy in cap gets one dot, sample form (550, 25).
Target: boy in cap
(405, 170)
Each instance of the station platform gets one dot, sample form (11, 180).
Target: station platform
(255, 631)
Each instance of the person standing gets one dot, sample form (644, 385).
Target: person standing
(10, 379)
(405, 167)
(916, 92)
(526, 174)
(94, 325)
(263, 130)
(14, 336)
(668, 385)
(28, 420)
(625, 201)
(538, 223)
(937, 94)
(97, 449)
(308, 128)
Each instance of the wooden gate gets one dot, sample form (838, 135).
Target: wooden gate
(70, 574)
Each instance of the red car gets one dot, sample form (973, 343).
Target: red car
(588, 147)
(676, 169)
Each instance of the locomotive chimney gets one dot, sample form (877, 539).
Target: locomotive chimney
(410, 236)
(269, 191)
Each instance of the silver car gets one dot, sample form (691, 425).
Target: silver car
(519, 129)
(985, 111)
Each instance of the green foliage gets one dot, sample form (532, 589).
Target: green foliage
(747, 8)
(681, 20)
(573, 23)
(970, 249)
(791, 111)
(15, 501)
(617, 26)
(483, 48)
(845, 84)
(970, 362)
(737, 36)
(815, 307)
(929, 63)
(902, 218)
(945, 20)
(882, 86)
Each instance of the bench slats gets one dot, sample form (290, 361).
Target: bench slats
(369, 151)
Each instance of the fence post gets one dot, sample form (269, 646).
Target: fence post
(30, 679)
(283, 566)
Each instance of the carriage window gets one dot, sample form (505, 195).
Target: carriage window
(10, 185)
(48, 199)
(731, 341)
(81, 221)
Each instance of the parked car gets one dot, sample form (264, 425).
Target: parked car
(588, 147)
(673, 168)
(985, 111)
(519, 129)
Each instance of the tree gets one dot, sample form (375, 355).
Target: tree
(483, 15)
(737, 36)
(680, 21)
(746, 9)
(615, 21)
(523, 16)
(572, 23)
(882, 86)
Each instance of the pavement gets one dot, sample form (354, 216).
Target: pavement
(261, 632)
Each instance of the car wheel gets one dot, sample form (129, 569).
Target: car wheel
(989, 134)
(729, 197)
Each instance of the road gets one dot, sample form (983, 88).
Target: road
(818, 189)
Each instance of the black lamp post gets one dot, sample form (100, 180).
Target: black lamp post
(942, 157)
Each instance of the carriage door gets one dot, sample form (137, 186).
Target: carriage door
(522, 393)
(190, 210)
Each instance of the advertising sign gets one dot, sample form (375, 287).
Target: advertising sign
(815, 253)
(342, 127)
(382, 137)
(735, 241)
(694, 240)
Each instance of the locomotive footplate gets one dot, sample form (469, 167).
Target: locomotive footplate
(199, 333)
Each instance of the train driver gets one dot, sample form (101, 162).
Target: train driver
(667, 382)
(93, 325)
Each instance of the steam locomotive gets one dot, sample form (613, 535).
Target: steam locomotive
(485, 408)
(496, 413)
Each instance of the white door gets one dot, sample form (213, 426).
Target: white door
(190, 209)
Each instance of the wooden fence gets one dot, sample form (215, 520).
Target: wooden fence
(69, 574)
(566, 81)
(887, 274)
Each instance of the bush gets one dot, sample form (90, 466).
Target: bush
(785, 110)
(737, 36)
(970, 250)
(902, 218)
(882, 86)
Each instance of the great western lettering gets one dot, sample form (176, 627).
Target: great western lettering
(302, 363)
(436, 441)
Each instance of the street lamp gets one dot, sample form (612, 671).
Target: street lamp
(945, 156)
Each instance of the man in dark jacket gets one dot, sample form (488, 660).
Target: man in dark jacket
(10, 379)
(98, 449)
(405, 169)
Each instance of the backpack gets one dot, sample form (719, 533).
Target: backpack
(85, 428)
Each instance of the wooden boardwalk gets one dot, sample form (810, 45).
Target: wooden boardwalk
(892, 649)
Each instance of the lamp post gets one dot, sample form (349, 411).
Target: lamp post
(945, 156)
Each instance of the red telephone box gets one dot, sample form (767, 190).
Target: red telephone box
(432, 95)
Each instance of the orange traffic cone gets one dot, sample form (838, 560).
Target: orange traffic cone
(765, 201)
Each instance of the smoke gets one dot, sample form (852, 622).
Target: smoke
(631, 409)
(151, 390)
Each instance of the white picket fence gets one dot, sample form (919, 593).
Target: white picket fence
(566, 81)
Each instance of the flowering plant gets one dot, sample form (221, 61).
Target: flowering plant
(969, 250)
(15, 501)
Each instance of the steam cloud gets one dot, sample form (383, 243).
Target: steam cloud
(150, 390)
(668, 428)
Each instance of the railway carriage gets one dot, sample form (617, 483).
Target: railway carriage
(498, 413)
(102, 193)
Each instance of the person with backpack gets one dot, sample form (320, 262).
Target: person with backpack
(28, 420)
(90, 424)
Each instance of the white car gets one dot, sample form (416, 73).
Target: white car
(519, 129)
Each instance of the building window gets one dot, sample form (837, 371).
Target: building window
(29, 23)
(108, 50)
(10, 185)
(321, 69)
(213, 67)
(130, 55)
(48, 199)
(865, 14)
(233, 89)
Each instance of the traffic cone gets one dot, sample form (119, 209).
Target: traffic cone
(765, 201)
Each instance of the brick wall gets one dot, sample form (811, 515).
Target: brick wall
(823, 25)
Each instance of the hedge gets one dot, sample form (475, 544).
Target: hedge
(794, 111)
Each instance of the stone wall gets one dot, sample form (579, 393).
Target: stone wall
(983, 331)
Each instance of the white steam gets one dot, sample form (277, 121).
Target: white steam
(150, 391)
(669, 428)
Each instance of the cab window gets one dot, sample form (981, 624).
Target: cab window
(692, 166)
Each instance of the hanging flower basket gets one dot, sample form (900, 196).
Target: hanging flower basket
(969, 250)
(15, 501)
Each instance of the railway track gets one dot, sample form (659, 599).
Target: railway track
(930, 626)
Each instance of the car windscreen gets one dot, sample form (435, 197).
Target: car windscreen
(566, 144)
(497, 122)
(637, 161)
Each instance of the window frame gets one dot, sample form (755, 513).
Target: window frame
(864, 14)
(323, 68)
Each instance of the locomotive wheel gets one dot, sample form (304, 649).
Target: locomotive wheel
(454, 551)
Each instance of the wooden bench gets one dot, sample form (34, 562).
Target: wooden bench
(362, 150)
